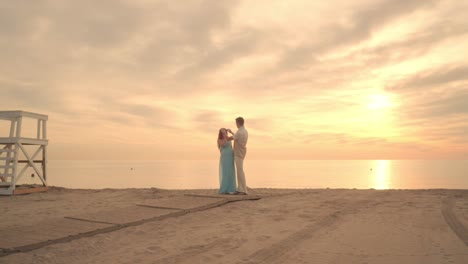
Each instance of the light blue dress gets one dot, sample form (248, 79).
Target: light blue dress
(227, 171)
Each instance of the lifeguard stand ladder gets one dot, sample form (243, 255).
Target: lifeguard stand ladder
(12, 146)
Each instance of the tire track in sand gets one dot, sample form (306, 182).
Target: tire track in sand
(276, 252)
(457, 227)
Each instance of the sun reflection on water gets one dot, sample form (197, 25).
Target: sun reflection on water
(381, 174)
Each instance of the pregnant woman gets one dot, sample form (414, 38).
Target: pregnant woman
(227, 173)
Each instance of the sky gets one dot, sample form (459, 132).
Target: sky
(147, 79)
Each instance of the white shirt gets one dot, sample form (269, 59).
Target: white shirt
(240, 142)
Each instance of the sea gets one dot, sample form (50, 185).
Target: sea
(297, 174)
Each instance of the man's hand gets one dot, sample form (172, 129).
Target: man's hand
(229, 130)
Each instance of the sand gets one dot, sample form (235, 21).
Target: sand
(284, 226)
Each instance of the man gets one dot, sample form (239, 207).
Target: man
(240, 150)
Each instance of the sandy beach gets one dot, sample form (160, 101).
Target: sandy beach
(198, 226)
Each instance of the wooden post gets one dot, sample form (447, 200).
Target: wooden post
(15, 169)
(19, 123)
(39, 128)
(8, 159)
(12, 128)
(44, 162)
(44, 129)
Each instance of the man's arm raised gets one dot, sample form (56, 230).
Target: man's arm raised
(230, 131)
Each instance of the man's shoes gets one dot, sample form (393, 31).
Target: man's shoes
(240, 193)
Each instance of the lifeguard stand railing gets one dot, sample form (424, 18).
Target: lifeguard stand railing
(14, 156)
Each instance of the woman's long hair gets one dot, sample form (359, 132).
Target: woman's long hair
(220, 134)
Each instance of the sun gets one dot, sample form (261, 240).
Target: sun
(378, 115)
(379, 101)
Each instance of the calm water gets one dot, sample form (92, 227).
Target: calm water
(363, 174)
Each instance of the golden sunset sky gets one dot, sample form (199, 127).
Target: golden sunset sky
(147, 79)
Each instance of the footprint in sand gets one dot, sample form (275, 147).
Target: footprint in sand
(263, 238)
(139, 232)
(278, 218)
(154, 248)
(306, 216)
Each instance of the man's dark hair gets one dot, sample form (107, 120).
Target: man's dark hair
(240, 121)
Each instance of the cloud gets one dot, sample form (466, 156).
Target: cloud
(237, 46)
(27, 95)
(19, 18)
(308, 65)
(436, 77)
(435, 94)
(436, 116)
(166, 67)
(415, 45)
(92, 23)
(263, 124)
(49, 38)
(362, 23)
(208, 121)
(453, 104)
(66, 49)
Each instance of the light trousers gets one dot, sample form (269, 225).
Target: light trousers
(241, 184)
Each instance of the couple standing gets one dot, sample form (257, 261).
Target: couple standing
(229, 156)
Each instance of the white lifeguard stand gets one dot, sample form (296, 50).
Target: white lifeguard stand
(12, 168)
